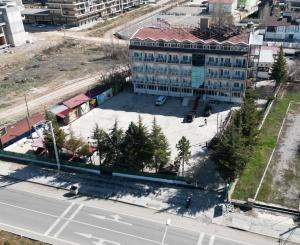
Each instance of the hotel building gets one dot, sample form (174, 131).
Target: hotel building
(211, 62)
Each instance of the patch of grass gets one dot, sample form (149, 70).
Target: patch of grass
(7, 238)
(249, 180)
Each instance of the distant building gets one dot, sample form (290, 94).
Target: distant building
(282, 31)
(79, 12)
(222, 6)
(11, 26)
(209, 62)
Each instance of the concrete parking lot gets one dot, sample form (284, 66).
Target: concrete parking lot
(127, 106)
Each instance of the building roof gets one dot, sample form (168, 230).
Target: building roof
(97, 90)
(187, 35)
(64, 113)
(274, 21)
(222, 1)
(266, 56)
(15, 130)
(76, 101)
(167, 34)
(58, 108)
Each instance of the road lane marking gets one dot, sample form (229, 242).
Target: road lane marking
(115, 218)
(27, 209)
(100, 241)
(114, 231)
(13, 229)
(59, 219)
(68, 220)
(200, 240)
(212, 240)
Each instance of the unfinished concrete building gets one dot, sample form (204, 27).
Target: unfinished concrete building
(12, 31)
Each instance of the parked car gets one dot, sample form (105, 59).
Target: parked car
(74, 189)
(160, 100)
(207, 110)
(190, 116)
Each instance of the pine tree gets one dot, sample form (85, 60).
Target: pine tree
(100, 138)
(249, 118)
(184, 154)
(230, 154)
(137, 149)
(161, 152)
(116, 137)
(60, 138)
(280, 72)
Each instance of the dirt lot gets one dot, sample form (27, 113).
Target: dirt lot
(55, 65)
(126, 106)
(12, 239)
(285, 164)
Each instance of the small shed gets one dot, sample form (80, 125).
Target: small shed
(78, 106)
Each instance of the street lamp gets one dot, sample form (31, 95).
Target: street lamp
(165, 234)
(54, 145)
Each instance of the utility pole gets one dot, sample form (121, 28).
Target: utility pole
(54, 145)
(28, 123)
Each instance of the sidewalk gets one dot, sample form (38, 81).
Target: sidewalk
(204, 207)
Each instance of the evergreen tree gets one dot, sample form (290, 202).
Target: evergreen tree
(137, 150)
(100, 138)
(116, 137)
(280, 72)
(230, 154)
(161, 152)
(60, 138)
(184, 154)
(249, 118)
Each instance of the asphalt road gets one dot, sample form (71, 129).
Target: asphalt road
(67, 222)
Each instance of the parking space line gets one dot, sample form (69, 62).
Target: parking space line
(59, 219)
(212, 240)
(200, 240)
(69, 220)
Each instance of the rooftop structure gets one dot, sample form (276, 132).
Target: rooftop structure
(186, 62)
(222, 6)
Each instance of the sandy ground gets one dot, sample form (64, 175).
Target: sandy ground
(126, 106)
(285, 164)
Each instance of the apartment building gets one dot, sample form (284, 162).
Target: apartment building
(211, 62)
(79, 12)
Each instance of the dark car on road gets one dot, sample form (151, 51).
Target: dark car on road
(190, 116)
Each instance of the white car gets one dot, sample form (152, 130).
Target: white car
(160, 100)
(74, 189)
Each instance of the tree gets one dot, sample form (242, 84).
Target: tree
(60, 138)
(184, 154)
(249, 118)
(74, 144)
(280, 71)
(161, 152)
(137, 150)
(115, 140)
(230, 154)
(100, 138)
(86, 152)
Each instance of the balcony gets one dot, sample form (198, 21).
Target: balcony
(238, 65)
(173, 61)
(186, 62)
(238, 77)
(137, 58)
(161, 60)
(149, 59)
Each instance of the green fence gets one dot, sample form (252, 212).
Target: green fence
(32, 157)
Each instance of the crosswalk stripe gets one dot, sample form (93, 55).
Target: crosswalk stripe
(212, 240)
(200, 240)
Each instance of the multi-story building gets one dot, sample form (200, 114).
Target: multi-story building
(212, 62)
(78, 12)
(222, 6)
